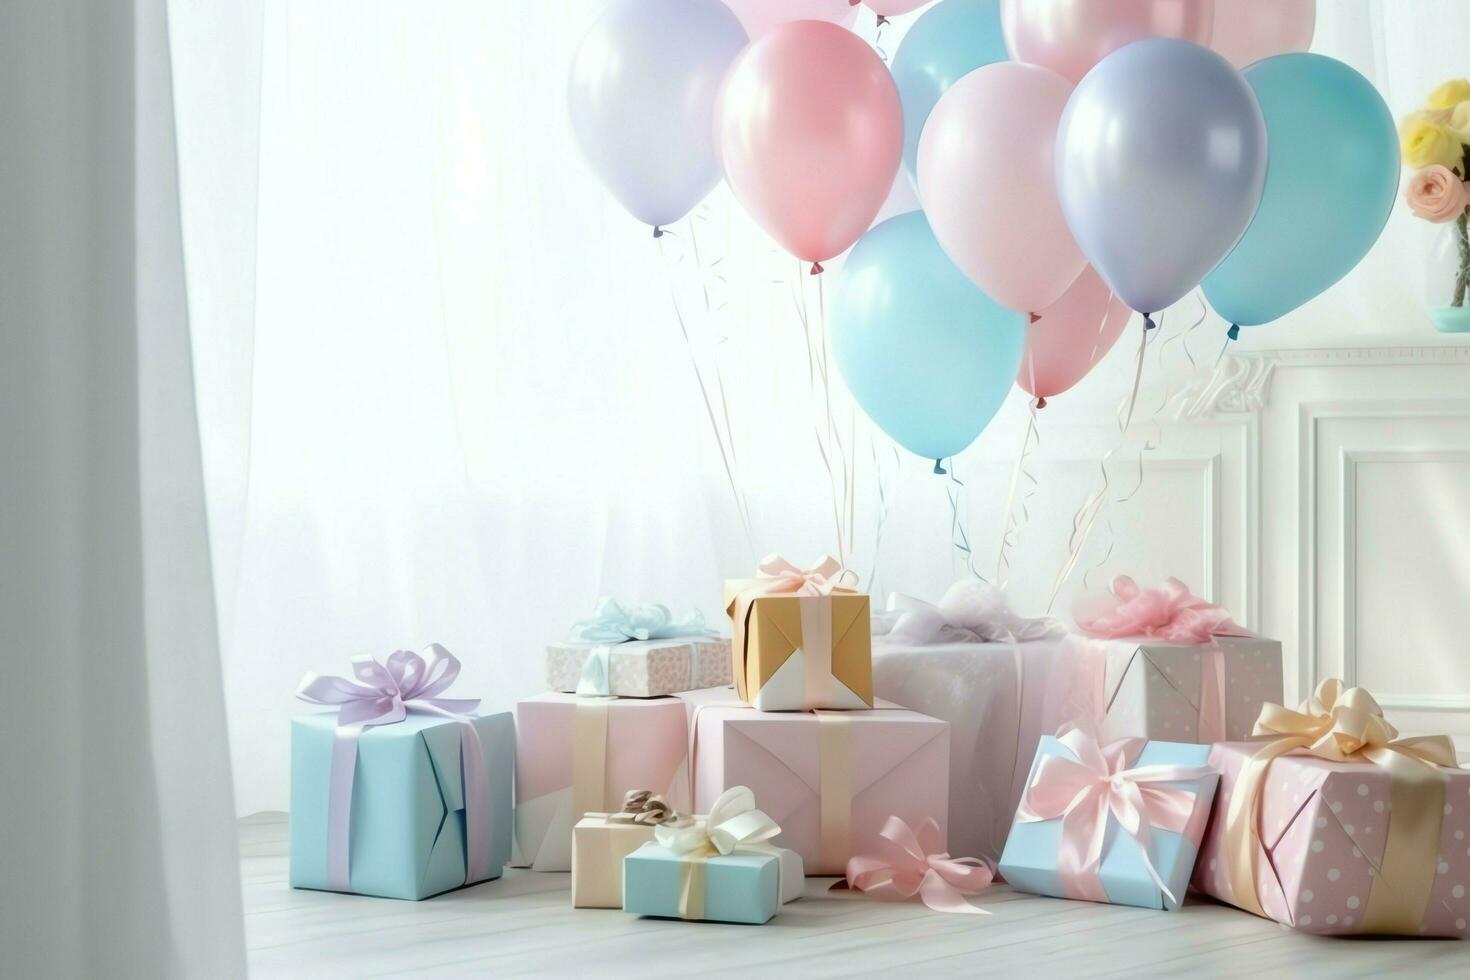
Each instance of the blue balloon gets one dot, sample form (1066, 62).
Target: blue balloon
(950, 40)
(927, 355)
(1332, 176)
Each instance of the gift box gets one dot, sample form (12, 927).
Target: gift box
(600, 841)
(800, 640)
(719, 868)
(417, 802)
(1167, 665)
(972, 663)
(638, 652)
(1332, 825)
(831, 779)
(576, 756)
(1068, 840)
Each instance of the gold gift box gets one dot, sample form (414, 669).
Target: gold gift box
(777, 667)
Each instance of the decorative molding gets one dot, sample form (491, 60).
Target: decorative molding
(1457, 353)
(1237, 386)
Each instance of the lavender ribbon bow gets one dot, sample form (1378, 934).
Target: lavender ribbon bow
(383, 697)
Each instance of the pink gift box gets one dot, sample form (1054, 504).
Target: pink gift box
(853, 768)
(644, 746)
(1323, 827)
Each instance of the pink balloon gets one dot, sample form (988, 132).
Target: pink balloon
(1248, 30)
(989, 188)
(810, 134)
(759, 16)
(1068, 338)
(1070, 36)
(892, 8)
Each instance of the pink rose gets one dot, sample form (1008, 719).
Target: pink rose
(1436, 194)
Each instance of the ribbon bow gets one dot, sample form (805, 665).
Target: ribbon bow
(733, 824)
(913, 864)
(1083, 792)
(970, 611)
(1170, 613)
(644, 807)
(385, 690)
(1343, 724)
(778, 575)
(616, 623)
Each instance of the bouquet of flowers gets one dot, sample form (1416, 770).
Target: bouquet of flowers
(1436, 142)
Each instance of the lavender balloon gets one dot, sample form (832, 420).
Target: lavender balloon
(1160, 163)
(642, 97)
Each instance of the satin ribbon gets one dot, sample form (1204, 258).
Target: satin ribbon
(912, 864)
(814, 586)
(1343, 724)
(970, 611)
(614, 624)
(646, 808)
(1098, 782)
(383, 695)
(822, 577)
(734, 824)
(589, 756)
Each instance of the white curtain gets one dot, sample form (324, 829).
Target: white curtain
(445, 396)
(120, 852)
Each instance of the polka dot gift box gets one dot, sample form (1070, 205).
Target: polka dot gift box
(1332, 824)
(637, 652)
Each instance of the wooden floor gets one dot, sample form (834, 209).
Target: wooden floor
(524, 925)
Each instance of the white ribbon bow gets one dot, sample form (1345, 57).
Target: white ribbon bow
(733, 824)
(971, 611)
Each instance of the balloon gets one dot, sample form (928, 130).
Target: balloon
(810, 133)
(1161, 155)
(1330, 185)
(949, 40)
(1070, 36)
(642, 95)
(1248, 30)
(987, 181)
(759, 16)
(1068, 338)
(927, 355)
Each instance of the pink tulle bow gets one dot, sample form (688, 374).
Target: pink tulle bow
(913, 864)
(1083, 791)
(1170, 613)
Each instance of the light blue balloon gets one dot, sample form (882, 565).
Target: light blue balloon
(926, 354)
(950, 40)
(1331, 180)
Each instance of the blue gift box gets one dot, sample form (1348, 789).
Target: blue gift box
(1029, 861)
(408, 807)
(742, 886)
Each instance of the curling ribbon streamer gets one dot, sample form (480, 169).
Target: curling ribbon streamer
(383, 695)
(1342, 724)
(733, 824)
(1098, 783)
(911, 863)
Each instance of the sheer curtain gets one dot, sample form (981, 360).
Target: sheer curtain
(120, 855)
(444, 390)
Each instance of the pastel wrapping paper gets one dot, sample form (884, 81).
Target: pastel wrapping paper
(739, 887)
(831, 779)
(1034, 857)
(598, 849)
(408, 808)
(799, 639)
(581, 755)
(642, 668)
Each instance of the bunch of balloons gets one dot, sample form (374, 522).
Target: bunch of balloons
(1075, 160)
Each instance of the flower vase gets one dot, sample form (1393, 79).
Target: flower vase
(1447, 295)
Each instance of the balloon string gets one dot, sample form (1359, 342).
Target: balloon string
(1171, 389)
(1020, 474)
(1086, 516)
(878, 39)
(724, 436)
(829, 443)
(959, 537)
(881, 484)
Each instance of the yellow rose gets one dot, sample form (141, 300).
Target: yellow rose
(1450, 94)
(1425, 142)
(1459, 119)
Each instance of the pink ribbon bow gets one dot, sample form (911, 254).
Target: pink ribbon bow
(1083, 792)
(1170, 613)
(913, 864)
(383, 698)
(787, 579)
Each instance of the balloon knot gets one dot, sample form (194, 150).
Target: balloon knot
(1148, 321)
(1041, 402)
(937, 468)
(1234, 332)
(881, 20)
(1035, 317)
(816, 268)
(658, 232)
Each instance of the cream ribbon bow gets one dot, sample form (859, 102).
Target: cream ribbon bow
(1342, 724)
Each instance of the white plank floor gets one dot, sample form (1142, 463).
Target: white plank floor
(523, 924)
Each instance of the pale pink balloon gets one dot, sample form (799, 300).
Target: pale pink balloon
(1248, 30)
(1068, 338)
(989, 188)
(1070, 36)
(759, 16)
(810, 133)
(892, 8)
